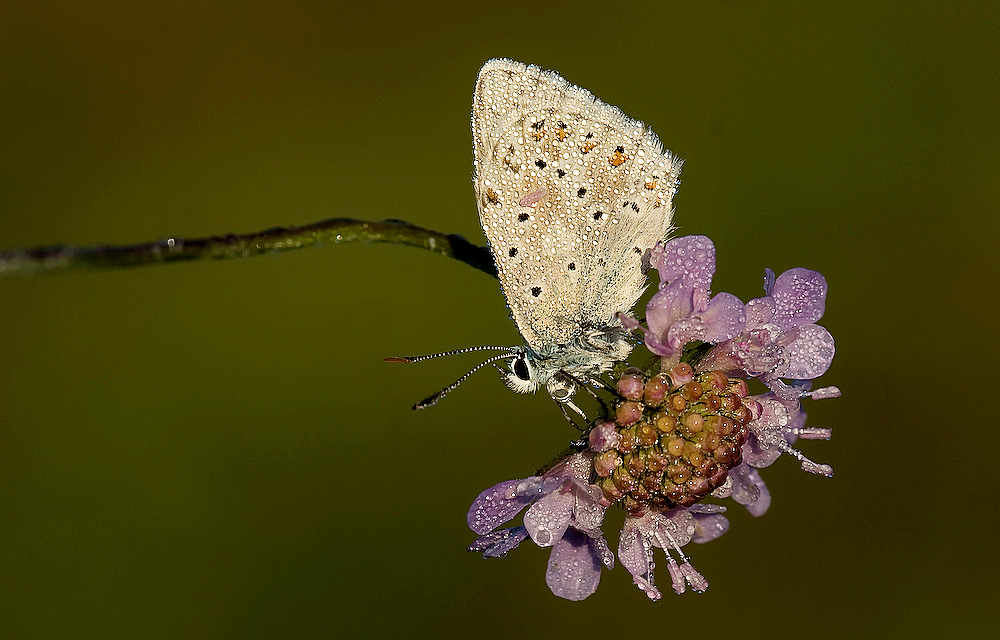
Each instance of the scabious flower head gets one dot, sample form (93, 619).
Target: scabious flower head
(683, 430)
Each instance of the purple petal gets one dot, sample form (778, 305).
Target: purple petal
(691, 258)
(800, 298)
(653, 344)
(724, 318)
(759, 506)
(758, 454)
(762, 447)
(745, 491)
(574, 569)
(709, 527)
(749, 490)
(678, 527)
(588, 514)
(499, 543)
(633, 554)
(759, 312)
(603, 552)
(548, 518)
(704, 508)
(667, 306)
(495, 506)
(768, 281)
(577, 467)
(810, 354)
(537, 486)
(684, 331)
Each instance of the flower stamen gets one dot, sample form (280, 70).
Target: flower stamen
(813, 433)
(807, 464)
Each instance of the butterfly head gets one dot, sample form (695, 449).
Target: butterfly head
(526, 372)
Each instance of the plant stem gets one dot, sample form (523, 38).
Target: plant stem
(26, 262)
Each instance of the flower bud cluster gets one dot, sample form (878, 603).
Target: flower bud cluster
(674, 439)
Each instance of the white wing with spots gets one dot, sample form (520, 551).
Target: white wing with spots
(571, 194)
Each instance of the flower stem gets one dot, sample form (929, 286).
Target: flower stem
(26, 262)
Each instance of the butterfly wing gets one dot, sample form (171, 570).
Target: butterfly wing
(571, 194)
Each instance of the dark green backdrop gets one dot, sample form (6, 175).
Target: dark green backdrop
(216, 449)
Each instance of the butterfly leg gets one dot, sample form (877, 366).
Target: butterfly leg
(604, 384)
(581, 384)
(569, 418)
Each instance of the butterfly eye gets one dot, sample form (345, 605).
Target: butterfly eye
(520, 368)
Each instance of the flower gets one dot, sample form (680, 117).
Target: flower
(658, 468)
(681, 431)
(566, 514)
(681, 310)
(773, 431)
(668, 530)
(780, 338)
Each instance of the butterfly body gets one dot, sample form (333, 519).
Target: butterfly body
(572, 195)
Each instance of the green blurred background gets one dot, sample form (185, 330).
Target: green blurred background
(216, 450)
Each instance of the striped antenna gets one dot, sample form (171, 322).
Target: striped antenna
(509, 350)
(433, 398)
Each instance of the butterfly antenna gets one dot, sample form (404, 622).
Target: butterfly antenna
(509, 350)
(432, 399)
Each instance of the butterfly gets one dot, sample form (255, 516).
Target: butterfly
(572, 195)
